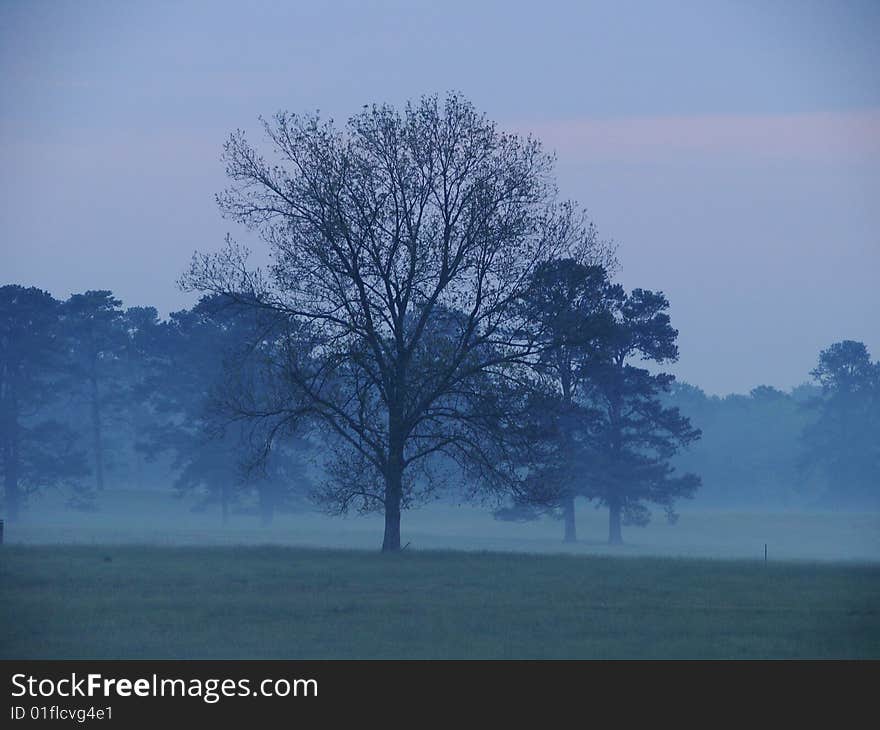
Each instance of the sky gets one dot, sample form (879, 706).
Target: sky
(730, 149)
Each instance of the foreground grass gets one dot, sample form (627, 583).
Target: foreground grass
(89, 602)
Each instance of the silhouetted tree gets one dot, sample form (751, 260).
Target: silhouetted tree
(36, 450)
(195, 352)
(569, 307)
(94, 326)
(843, 443)
(636, 435)
(375, 231)
(142, 359)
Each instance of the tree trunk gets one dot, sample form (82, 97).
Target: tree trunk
(614, 534)
(96, 436)
(570, 524)
(568, 499)
(393, 495)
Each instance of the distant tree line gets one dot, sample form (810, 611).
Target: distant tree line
(433, 316)
(815, 446)
(94, 395)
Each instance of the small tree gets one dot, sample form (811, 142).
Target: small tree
(401, 247)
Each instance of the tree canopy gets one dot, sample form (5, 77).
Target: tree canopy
(401, 246)
(843, 442)
(37, 450)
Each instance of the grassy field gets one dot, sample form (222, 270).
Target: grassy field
(129, 601)
(145, 577)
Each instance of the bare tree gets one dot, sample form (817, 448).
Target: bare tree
(400, 247)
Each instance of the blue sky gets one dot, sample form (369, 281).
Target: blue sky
(731, 149)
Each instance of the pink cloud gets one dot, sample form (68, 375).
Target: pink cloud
(848, 137)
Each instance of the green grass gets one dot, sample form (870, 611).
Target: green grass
(90, 602)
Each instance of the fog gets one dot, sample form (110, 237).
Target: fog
(590, 280)
(159, 519)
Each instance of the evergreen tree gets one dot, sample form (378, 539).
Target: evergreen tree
(37, 450)
(198, 352)
(94, 325)
(569, 306)
(843, 443)
(636, 436)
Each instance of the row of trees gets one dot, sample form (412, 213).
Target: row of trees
(610, 437)
(85, 384)
(89, 388)
(207, 389)
(817, 445)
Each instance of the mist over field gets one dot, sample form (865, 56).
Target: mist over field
(159, 519)
(575, 342)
